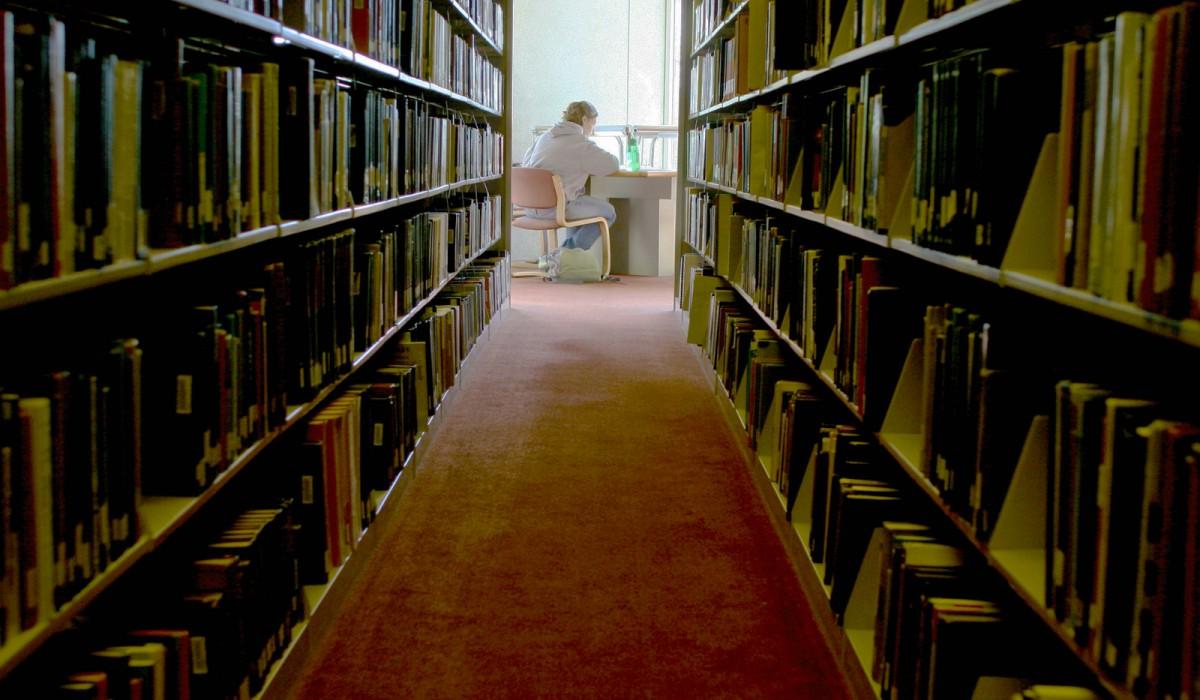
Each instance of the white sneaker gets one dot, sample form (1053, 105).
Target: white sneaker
(549, 263)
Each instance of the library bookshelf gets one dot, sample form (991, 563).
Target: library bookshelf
(875, 250)
(350, 155)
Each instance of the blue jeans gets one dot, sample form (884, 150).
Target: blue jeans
(582, 207)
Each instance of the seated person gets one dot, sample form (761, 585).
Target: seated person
(567, 151)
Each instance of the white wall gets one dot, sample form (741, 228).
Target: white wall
(566, 51)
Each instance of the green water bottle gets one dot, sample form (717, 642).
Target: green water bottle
(631, 153)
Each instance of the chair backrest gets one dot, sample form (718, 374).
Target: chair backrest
(536, 187)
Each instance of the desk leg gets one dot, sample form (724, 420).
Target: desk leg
(635, 237)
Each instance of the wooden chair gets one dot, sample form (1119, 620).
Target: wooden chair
(537, 188)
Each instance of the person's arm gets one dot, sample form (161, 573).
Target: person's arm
(597, 161)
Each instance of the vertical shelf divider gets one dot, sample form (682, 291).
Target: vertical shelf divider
(912, 14)
(1019, 539)
(1028, 250)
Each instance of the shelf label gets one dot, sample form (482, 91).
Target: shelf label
(183, 395)
(199, 656)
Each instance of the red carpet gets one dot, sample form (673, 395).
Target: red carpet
(581, 527)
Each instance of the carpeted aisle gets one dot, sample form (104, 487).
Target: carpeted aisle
(581, 527)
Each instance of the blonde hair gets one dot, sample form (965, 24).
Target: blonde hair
(578, 111)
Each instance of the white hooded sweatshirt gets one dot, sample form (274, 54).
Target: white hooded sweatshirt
(571, 155)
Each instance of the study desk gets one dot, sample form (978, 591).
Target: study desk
(643, 239)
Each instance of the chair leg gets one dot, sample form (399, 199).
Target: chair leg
(546, 238)
(606, 251)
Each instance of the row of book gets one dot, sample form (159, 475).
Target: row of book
(1127, 226)
(215, 629)
(228, 373)
(70, 466)
(489, 15)
(397, 266)
(451, 60)
(356, 446)
(212, 383)
(1123, 499)
(846, 152)
(415, 36)
(851, 494)
(228, 615)
(972, 161)
(829, 27)
(852, 319)
(706, 15)
(117, 156)
(722, 72)
(1117, 567)
(764, 254)
(395, 32)
(738, 63)
(719, 153)
(939, 627)
(1121, 230)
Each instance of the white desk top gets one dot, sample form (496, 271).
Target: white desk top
(641, 173)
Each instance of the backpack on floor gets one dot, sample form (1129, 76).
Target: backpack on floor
(571, 265)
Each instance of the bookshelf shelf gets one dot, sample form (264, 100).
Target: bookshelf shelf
(166, 259)
(860, 53)
(375, 66)
(1185, 331)
(768, 202)
(858, 232)
(319, 46)
(955, 18)
(862, 644)
(245, 18)
(958, 263)
(806, 214)
(721, 27)
(291, 228)
(776, 86)
(804, 75)
(446, 92)
(41, 290)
